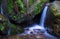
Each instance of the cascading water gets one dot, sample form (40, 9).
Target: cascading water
(41, 24)
(43, 16)
(35, 28)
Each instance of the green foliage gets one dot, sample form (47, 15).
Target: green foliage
(2, 28)
(39, 6)
(55, 8)
(16, 29)
(3, 25)
(11, 11)
(31, 2)
(13, 26)
(10, 6)
(21, 5)
(0, 1)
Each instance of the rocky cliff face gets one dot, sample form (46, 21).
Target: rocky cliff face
(21, 13)
(53, 19)
(22, 10)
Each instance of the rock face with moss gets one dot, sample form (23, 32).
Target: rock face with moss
(17, 10)
(15, 29)
(5, 27)
(55, 8)
(53, 19)
(3, 24)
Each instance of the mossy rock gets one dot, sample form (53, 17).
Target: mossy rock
(3, 22)
(52, 22)
(3, 25)
(55, 8)
(18, 14)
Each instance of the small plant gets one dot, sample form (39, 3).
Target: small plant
(21, 6)
(15, 29)
(15, 9)
(3, 22)
(39, 6)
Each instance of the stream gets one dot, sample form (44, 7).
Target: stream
(35, 29)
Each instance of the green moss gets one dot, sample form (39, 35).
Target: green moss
(13, 26)
(14, 17)
(16, 29)
(3, 22)
(0, 1)
(3, 25)
(39, 6)
(2, 28)
(10, 6)
(31, 2)
(55, 8)
(22, 6)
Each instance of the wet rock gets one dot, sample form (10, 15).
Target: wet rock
(52, 22)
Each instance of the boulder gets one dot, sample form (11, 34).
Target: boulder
(52, 22)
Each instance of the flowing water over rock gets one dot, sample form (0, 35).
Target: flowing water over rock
(35, 29)
(41, 25)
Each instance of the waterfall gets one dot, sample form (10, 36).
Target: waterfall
(36, 27)
(41, 25)
(43, 16)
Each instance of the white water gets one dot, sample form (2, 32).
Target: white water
(1, 10)
(43, 16)
(41, 25)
